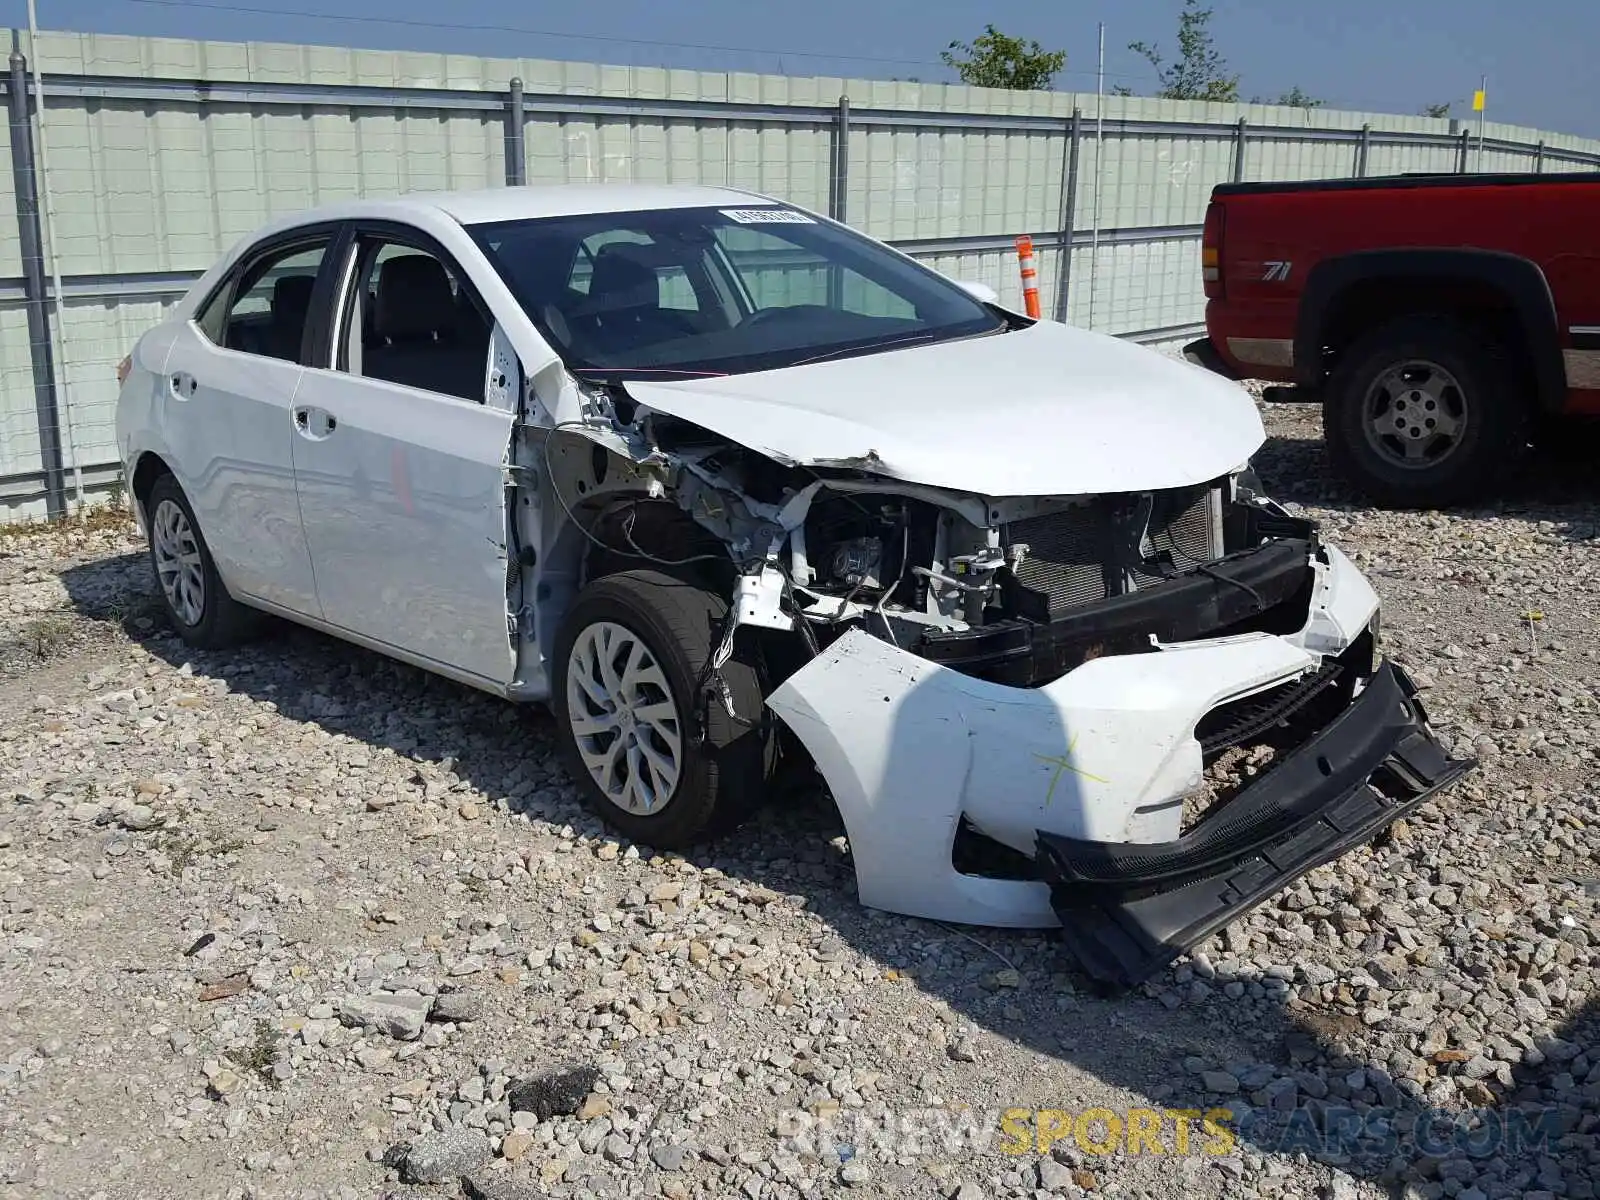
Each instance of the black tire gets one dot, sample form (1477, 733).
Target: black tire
(1494, 425)
(724, 773)
(223, 621)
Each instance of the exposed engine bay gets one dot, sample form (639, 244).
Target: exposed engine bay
(1017, 591)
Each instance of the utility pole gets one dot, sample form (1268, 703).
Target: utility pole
(1099, 171)
(58, 328)
(1481, 101)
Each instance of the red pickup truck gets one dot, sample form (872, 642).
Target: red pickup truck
(1439, 319)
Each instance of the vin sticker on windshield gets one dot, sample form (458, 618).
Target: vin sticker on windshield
(767, 216)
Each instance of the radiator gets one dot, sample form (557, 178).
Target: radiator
(1073, 555)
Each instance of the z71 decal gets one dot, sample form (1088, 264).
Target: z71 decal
(1277, 272)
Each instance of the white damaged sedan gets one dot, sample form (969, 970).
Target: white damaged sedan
(734, 488)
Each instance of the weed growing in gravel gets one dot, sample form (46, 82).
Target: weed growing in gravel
(260, 1054)
(127, 609)
(182, 848)
(48, 634)
(87, 518)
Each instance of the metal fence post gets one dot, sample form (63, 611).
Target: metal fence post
(30, 246)
(836, 194)
(841, 160)
(1238, 152)
(516, 168)
(1462, 151)
(1538, 159)
(1361, 151)
(1069, 211)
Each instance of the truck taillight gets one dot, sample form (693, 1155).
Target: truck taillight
(123, 368)
(1211, 246)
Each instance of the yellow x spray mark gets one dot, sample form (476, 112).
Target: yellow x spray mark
(1063, 762)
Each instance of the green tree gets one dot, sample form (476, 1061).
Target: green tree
(1296, 98)
(995, 60)
(1201, 73)
(1436, 110)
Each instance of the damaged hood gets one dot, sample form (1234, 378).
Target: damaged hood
(1044, 411)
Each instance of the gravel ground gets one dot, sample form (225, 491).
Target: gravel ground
(297, 921)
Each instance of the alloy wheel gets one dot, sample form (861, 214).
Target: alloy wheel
(178, 565)
(623, 718)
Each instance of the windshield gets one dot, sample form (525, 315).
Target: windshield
(715, 291)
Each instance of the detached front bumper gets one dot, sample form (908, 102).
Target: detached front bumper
(1127, 910)
(1085, 777)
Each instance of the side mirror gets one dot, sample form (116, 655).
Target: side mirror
(979, 291)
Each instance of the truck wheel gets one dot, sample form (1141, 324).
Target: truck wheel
(1424, 413)
(655, 758)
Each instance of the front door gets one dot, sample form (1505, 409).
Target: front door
(400, 464)
(231, 381)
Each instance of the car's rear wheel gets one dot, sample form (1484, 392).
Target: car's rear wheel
(197, 603)
(1424, 413)
(644, 726)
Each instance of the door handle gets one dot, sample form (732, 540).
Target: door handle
(314, 423)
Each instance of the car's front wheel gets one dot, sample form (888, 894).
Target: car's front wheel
(644, 725)
(197, 603)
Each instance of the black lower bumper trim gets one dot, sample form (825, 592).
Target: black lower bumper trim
(1128, 910)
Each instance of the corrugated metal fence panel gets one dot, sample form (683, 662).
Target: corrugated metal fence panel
(582, 148)
(1151, 180)
(168, 187)
(10, 264)
(1138, 286)
(1491, 160)
(1385, 158)
(96, 334)
(919, 183)
(1269, 157)
(998, 269)
(19, 429)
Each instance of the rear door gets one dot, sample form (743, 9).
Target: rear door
(225, 404)
(400, 462)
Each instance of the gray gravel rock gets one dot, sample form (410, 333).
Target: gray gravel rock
(445, 1155)
(458, 1007)
(669, 1157)
(397, 1016)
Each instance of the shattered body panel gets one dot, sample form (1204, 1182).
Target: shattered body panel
(1105, 753)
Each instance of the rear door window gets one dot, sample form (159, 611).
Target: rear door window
(265, 308)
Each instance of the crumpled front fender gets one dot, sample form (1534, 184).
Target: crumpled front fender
(1105, 753)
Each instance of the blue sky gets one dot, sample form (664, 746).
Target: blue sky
(1379, 55)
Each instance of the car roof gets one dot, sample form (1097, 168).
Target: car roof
(487, 205)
